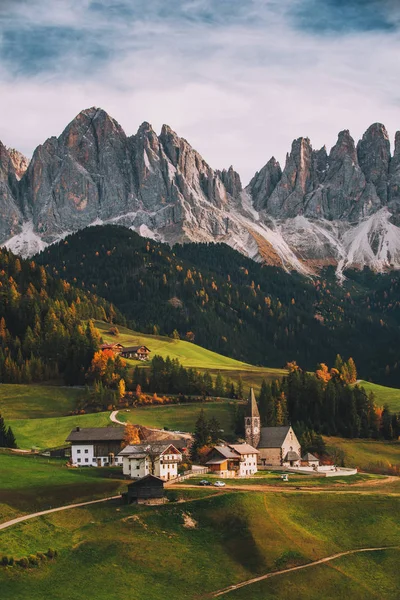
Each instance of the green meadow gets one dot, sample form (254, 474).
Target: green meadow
(367, 455)
(37, 401)
(383, 395)
(189, 549)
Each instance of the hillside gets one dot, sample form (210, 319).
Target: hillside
(250, 534)
(235, 306)
(383, 395)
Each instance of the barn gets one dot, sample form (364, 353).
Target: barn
(147, 489)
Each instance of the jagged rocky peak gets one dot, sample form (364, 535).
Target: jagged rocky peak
(11, 217)
(373, 152)
(264, 182)
(19, 161)
(231, 180)
(394, 180)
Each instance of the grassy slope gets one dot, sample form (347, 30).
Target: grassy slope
(33, 483)
(112, 550)
(49, 433)
(180, 417)
(190, 355)
(367, 454)
(384, 395)
(35, 401)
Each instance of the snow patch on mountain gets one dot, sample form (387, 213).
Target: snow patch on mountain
(27, 242)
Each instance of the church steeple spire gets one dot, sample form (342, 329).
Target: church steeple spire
(252, 421)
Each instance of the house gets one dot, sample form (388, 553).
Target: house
(233, 460)
(157, 458)
(116, 348)
(148, 489)
(277, 446)
(309, 460)
(96, 446)
(136, 352)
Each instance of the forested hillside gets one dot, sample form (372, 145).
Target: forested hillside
(233, 305)
(42, 334)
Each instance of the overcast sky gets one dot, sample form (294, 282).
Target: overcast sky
(239, 79)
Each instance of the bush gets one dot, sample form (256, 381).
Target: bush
(33, 560)
(51, 553)
(23, 562)
(41, 556)
(172, 496)
(4, 561)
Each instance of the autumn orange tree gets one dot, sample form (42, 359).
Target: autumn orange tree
(131, 435)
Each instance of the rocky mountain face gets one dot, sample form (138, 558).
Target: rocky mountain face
(339, 208)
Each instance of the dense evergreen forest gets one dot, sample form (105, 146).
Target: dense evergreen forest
(45, 327)
(213, 295)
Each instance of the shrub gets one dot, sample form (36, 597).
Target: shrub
(41, 556)
(4, 561)
(50, 553)
(23, 562)
(172, 495)
(33, 560)
(11, 561)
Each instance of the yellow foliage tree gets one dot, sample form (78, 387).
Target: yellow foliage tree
(131, 435)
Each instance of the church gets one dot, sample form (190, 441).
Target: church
(277, 446)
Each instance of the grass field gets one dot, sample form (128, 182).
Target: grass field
(37, 401)
(191, 355)
(367, 455)
(52, 432)
(181, 417)
(33, 483)
(109, 551)
(295, 480)
(383, 395)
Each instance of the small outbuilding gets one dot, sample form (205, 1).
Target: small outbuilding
(309, 460)
(148, 489)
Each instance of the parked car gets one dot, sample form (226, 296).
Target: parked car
(219, 484)
(204, 482)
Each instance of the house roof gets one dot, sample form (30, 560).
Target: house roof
(292, 456)
(252, 408)
(96, 434)
(244, 449)
(142, 450)
(225, 451)
(309, 456)
(273, 437)
(135, 348)
(152, 479)
(216, 461)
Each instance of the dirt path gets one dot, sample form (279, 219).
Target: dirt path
(231, 588)
(113, 418)
(52, 510)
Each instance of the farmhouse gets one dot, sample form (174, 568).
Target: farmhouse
(136, 352)
(277, 446)
(148, 489)
(234, 460)
(159, 459)
(96, 446)
(116, 348)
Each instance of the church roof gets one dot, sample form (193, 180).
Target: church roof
(252, 408)
(273, 437)
(309, 456)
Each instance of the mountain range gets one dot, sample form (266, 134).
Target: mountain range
(340, 208)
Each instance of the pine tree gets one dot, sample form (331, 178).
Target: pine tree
(219, 385)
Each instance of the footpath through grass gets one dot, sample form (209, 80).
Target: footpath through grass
(186, 551)
(34, 483)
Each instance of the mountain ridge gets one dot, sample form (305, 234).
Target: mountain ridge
(340, 208)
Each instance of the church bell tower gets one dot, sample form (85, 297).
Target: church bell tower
(252, 421)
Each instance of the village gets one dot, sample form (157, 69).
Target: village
(156, 459)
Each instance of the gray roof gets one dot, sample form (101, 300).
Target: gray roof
(215, 461)
(142, 450)
(273, 437)
(309, 456)
(292, 456)
(225, 451)
(252, 408)
(96, 434)
(134, 348)
(244, 449)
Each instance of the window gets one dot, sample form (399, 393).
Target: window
(79, 460)
(78, 451)
(86, 451)
(94, 459)
(137, 466)
(86, 460)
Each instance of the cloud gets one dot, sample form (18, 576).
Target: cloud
(239, 80)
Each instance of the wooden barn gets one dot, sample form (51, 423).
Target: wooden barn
(147, 489)
(136, 352)
(116, 348)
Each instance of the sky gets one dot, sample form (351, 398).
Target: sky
(239, 79)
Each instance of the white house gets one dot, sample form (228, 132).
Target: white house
(96, 446)
(157, 459)
(233, 460)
